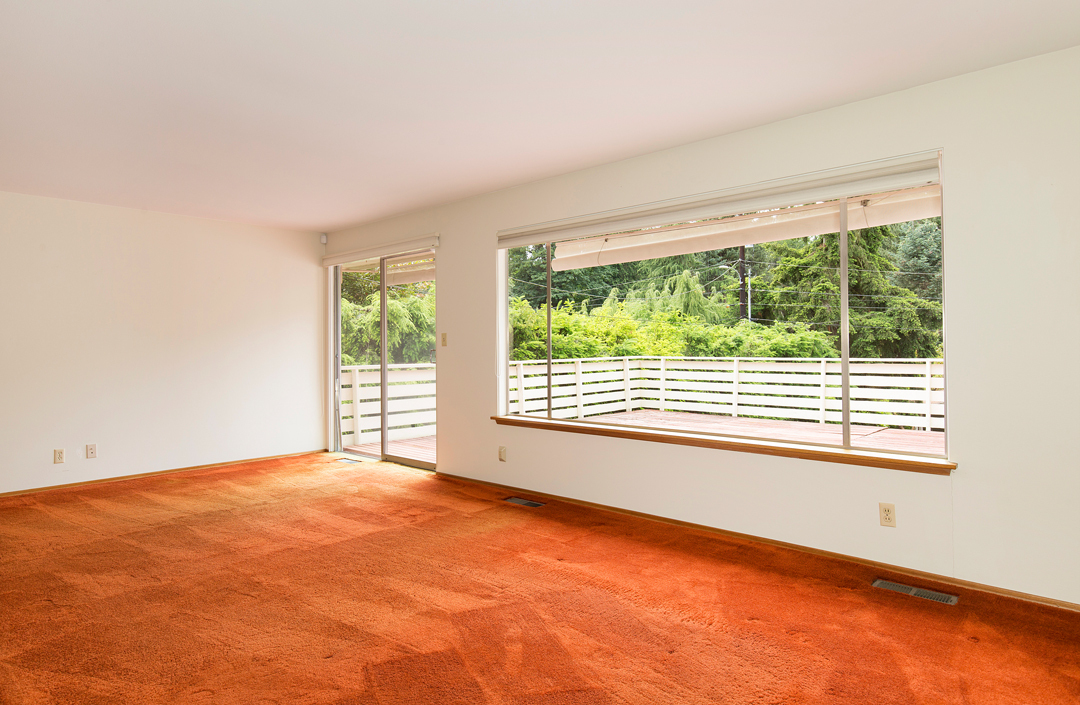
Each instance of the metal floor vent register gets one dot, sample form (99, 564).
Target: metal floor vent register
(524, 502)
(917, 592)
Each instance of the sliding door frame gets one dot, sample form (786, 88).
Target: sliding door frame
(384, 362)
(384, 367)
(333, 443)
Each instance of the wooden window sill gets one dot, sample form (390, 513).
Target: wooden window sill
(892, 461)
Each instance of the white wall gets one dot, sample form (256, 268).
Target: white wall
(1008, 516)
(168, 341)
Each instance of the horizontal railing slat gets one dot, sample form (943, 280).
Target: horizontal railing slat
(886, 393)
(411, 402)
(896, 421)
(593, 399)
(411, 390)
(786, 388)
(410, 418)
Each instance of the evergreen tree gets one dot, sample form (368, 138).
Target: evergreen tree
(410, 316)
(528, 279)
(356, 287)
(885, 320)
(794, 285)
(918, 257)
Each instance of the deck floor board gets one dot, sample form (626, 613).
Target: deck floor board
(867, 437)
(422, 449)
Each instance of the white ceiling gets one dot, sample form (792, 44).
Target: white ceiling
(317, 114)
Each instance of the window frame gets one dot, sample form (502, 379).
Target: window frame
(845, 453)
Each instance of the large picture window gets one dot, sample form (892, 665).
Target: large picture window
(805, 311)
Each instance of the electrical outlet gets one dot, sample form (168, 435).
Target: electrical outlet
(888, 514)
(58, 455)
(444, 340)
(91, 450)
(502, 454)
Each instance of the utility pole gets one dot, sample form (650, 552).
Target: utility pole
(742, 282)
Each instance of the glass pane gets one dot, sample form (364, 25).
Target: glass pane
(410, 336)
(527, 364)
(897, 344)
(361, 345)
(739, 341)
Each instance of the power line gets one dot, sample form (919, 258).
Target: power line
(657, 278)
(868, 326)
(626, 296)
(834, 269)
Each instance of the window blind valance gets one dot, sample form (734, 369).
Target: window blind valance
(881, 176)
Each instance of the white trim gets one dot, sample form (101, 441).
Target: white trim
(426, 242)
(892, 174)
(384, 362)
(502, 324)
(944, 308)
(333, 343)
(845, 328)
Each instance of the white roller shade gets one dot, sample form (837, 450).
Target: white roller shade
(908, 171)
(410, 269)
(377, 251)
(411, 276)
(799, 221)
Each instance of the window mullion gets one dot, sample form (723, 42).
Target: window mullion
(845, 340)
(547, 247)
(384, 361)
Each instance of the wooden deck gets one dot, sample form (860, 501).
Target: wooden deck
(866, 437)
(422, 449)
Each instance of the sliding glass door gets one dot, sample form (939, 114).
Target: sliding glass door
(409, 345)
(386, 372)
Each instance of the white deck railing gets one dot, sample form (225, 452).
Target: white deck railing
(903, 393)
(411, 403)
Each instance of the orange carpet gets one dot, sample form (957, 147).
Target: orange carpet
(308, 580)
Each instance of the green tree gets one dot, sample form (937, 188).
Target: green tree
(410, 316)
(691, 302)
(666, 267)
(918, 257)
(886, 320)
(528, 279)
(616, 329)
(356, 287)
